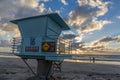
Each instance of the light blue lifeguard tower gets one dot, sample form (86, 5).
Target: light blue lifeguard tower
(40, 40)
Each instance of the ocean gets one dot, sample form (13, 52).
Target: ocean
(100, 59)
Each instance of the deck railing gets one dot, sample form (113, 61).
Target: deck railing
(16, 45)
(62, 46)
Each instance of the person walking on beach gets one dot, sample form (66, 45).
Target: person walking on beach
(90, 59)
(93, 59)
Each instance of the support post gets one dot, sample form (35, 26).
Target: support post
(44, 69)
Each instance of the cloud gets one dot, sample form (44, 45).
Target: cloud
(5, 35)
(78, 45)
(8, 30)
(94, 25)
(45, 0)
(109, 39)
(21, 8)
(105, 41)
(102, 44)
(69, 36)
(7, 8)
(14, 9)
(64, 2)
(58, 11)
(102, 6)
(28, 3)
(84, 18)
(42, 8)
(94, 47)
(4, 43)
(118, 17)
(80, 15)
(7, 26)
(2, 32)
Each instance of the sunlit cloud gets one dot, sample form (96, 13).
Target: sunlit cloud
(5, 35)
(118, 17)
(21, 8)
(28, 3)
(4, 43)
(14, 9)
(58, 11)
(8, 30)
(45, 0)
(94, 25)
(109, 39)
(42, 8)
(105, 44)
(102, 6)
(69, 36)
(84, 17)
(64, 2)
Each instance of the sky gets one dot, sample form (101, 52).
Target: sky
(95, 24)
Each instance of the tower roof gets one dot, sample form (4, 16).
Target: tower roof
(54, 16)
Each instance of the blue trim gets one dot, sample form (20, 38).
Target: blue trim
(46, 56)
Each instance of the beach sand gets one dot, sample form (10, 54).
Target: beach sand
(15, 69)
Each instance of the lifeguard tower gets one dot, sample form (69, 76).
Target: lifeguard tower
(40, 40)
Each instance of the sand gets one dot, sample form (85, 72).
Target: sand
(15, 69)
(90, 71)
